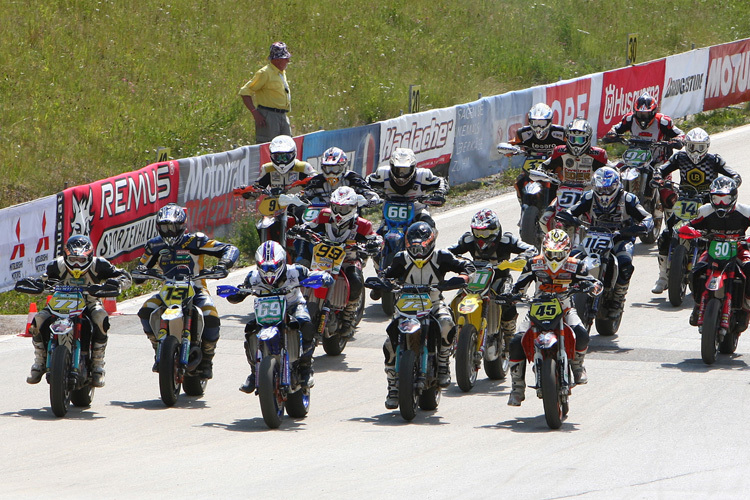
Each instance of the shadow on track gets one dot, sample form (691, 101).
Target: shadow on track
(257, 424)
(393, 418)
(186, 402)
(723, 362)
(527, 425)
(74, 413)
(325, 363)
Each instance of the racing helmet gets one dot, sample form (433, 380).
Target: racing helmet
(283, 151)
(697, 142)
(79, 255)
(343, 206)
(486, 227)
(578, 136)
(403, 166)
(170, 223)
(540, 119)
(420, 242)
(270, 258)
(555, 249)
(644, 110)
(606, 186)
(723, 195)
(333, 164)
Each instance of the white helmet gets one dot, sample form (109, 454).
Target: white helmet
(283, 153)
(344, 202)
(403, 166)
(697, 142)
(540, 119)
(333, 164)
(270, 258)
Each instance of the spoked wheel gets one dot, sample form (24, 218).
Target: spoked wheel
(407, 381)
(553, 409)
(497, 368)
(298, 403)
(271, 402)
(59, 384)
(466, 353)
(676, 276)
(169, 371)
(709, 331)
(653, 235)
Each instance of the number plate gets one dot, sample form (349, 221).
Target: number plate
(480, 280)
(268, 205)
(568, 196)
(686, 209)
(270, 310)
(597, 243)
(328, 257)
(311, 213)
(398, 212)
(546, 311)
(176, 292)
(636, 156)
(69, 303)
(533, 163)
(722, 250)
(414, 302)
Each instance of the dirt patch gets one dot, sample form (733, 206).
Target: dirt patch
(12, 324)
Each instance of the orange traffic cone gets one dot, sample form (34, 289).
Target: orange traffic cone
(110, 305)
(29, 319)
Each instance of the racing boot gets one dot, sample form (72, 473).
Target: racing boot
(155, 345)
(444, 367)
(348, 317)
(694, 314)
(507, 329)
(518, 384)
(306, 372)
(40, 363)
(249, 386)
(618, 300)
(579, 371)
(97, 364)
(206, 365)
(391, 400)
(661, 281)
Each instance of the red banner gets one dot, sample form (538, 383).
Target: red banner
(117, 213)
(569, 100)
(621, 88)
(728, 75)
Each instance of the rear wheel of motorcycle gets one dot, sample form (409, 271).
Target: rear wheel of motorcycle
(194, 386)
(407, 379)
(583, 303)
(83, 397)
(334, 345)
(466, 369)
(169, 385)
(529, 229)
(653, 235)
(430, 398)
(271, 404)
(298, 403)
(360, 308)
(553, 411)
(387, 301)
(729, 344)
(676, 284)
(496, 369)
(608, 326)
(709, 331)
(59, 386)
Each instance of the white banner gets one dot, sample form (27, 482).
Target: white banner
(28, 244)
(684, 83)
(429, 134)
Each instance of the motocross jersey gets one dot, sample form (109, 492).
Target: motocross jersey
(701, 175)
(661, 128)
(536, 270)
(526, 139)
(100, 271)
(321, 187)
(495, 251)
(423, 182)
(270, 177)
(735, 223)
(189, 252)
(575, 169)
(293, 275)
(404, 270)
(359, 232)
(625, 212)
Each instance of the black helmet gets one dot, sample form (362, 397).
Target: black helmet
(723, 192)
(79, 254)
(170, 222)
(420, 242)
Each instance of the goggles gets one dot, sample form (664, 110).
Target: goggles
(402, 172)
(419, 249)
(342, 209)
(335, 168)
(283, 158)
(484, 234)
(696, 148)
(538, 123)
(577, 140)
(77, 260)
(722, 200)
(556, 255)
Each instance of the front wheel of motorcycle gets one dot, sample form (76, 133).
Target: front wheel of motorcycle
(407, 385)
(676, 283)
(271, 402)
(466, 368)
(529, 230)
(653, 235)
(169, 385)
(710, 331)
(59, 387)
(298, 403)
(553, 411)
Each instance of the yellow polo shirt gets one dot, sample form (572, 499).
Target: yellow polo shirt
(269, 88)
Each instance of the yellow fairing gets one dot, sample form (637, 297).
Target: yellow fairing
(268, 206)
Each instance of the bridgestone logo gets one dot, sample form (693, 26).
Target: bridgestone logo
(683, 85)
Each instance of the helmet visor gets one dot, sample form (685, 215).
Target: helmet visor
(722, 200)
(334, 169)
(282, 158)
(419, 249)
(484, 234)
(342, 209)
(577, 140)
(77, 260)
(170, 229)
(402, 172)
(556, 255)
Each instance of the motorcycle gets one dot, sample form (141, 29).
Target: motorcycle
(326, 304)
(549, 344)
(279, 344)
(418, 344)
(722, 317)
(683, 253)
(568, 195)
(478, 324)
(178, 324)
(70, 344)
(536, 196)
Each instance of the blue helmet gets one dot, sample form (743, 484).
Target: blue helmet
(606, 187)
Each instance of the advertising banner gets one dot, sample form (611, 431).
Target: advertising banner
(206, 185)
(29, 242)
(621, 88)
(481, 125)
(359, 143)
(429, 134)
(684, 83)
(578, 98)
(117, 213)
(728, 75)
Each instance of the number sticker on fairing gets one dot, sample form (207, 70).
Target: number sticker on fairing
(568, 196)
(636, 156)
(398, 212)
(533, 163)
(67, 303)
(545, 311)
(686, 209)
(175, 293)
(480, 280)
(268, 205)
(597, 243)
(414, 302)
(328, 258)
(269, 310)
(311, 213)
(722, 250)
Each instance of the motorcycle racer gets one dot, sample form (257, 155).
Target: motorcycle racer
(335, 166)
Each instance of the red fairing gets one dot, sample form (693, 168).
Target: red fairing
(364, 226)
(324, 216)
(531, 334)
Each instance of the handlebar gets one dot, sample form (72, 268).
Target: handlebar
(153, 274)
(33, 286)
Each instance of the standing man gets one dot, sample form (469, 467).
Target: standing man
(267, 96)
